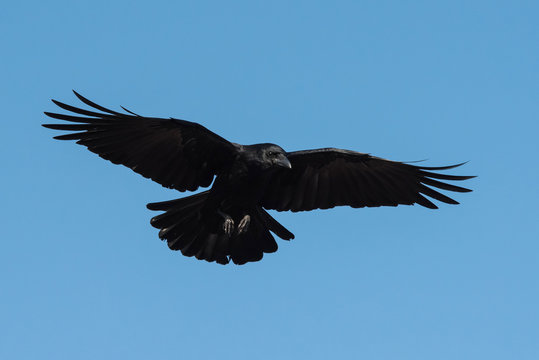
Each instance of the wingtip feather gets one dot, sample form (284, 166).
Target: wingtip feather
(442, 167)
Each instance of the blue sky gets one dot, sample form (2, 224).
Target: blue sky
(83, 274)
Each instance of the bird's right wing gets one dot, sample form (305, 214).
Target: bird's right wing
(324, 178)
(175, 153)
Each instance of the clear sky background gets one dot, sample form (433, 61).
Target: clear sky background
(84, 276)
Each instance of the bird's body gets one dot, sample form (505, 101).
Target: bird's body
(229, 221)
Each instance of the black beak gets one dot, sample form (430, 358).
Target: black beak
(284, 162)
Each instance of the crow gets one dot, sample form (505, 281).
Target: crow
(229, 222)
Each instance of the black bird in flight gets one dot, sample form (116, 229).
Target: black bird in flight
(229, 221)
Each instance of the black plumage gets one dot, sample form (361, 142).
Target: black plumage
(229, 221)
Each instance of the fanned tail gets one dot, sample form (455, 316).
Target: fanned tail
(186, 228)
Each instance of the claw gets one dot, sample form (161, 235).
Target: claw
(228, 226)
(244, 224)
(228, 223)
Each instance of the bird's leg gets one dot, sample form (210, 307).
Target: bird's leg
(228, 223)
(244, 224)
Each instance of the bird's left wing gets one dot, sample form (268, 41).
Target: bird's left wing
(324, 178)
(175, 153)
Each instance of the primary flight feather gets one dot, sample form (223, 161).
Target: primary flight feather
(229, 221)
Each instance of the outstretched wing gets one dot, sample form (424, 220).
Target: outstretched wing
(324, 178)
(175, 153)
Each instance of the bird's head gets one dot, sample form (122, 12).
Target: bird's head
(275, 156)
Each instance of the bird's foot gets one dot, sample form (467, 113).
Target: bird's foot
(228, 223)
(244, 224)
(228, 226)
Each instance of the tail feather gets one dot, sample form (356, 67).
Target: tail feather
(274, 226)
(251, 245)
(179, 203)
(184, 228)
